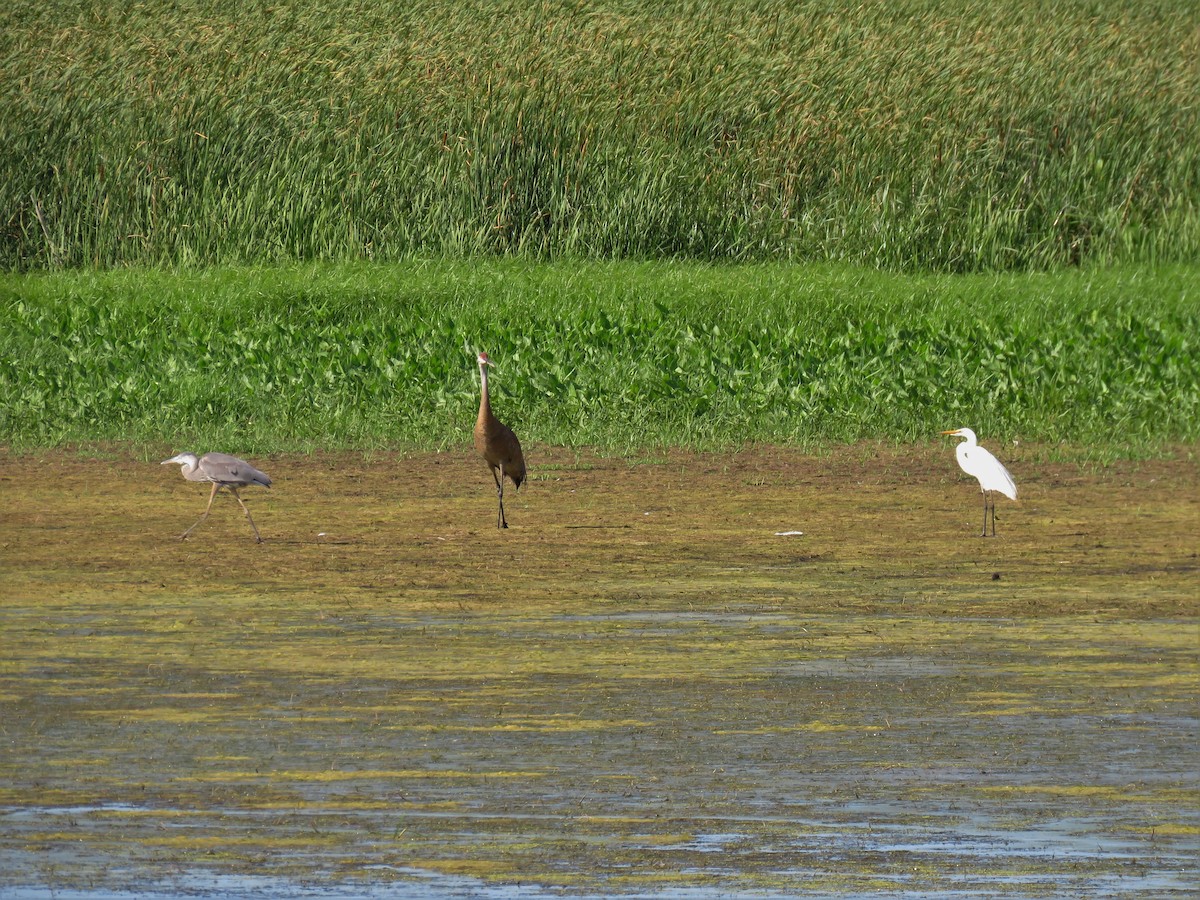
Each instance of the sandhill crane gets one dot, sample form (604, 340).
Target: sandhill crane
(992, 476)
(223, 471)
(496, 443)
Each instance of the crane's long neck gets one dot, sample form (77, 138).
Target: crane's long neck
(485, 405)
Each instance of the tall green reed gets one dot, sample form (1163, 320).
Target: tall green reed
(910, 135)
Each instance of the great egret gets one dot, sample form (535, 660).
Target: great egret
(222, 471)
(990, 473)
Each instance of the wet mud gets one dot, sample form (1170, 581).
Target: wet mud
(645, 686)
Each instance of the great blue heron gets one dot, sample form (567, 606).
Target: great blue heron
(991, 474)
(496, 443)
(222, 471)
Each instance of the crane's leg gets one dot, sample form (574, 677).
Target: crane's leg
(501, 522)
(257, 537)
(985, 506)
(211, 497)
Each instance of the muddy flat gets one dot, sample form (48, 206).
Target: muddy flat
(756, 673)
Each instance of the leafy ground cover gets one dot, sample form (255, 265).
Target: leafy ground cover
(613, 355)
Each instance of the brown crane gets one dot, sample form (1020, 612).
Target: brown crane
(497, 444)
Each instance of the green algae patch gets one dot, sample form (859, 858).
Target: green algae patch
(639, 685)
(357, 775)
(1107, 793)
(157, 714)
(229, 842)
(1169, 828)
(805, 726)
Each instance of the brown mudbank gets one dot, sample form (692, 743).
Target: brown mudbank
(639, 683)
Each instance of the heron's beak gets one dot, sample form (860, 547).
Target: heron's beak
(173, 459)
(955, 431)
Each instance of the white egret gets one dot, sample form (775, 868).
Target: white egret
(977, 462)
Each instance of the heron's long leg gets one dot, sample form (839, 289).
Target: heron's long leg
(257, 537)
(503, 522)
(985, 506)
(216, 487)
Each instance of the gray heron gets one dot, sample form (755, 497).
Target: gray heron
(221, 471)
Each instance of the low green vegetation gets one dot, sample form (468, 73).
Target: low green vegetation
(956, 136)
(611, 355)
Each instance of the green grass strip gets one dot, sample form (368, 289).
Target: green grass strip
(610, 355)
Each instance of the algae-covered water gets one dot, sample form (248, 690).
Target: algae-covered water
(642, 688)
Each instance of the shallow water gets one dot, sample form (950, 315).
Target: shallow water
(693, 708)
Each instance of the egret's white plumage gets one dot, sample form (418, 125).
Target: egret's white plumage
(979, 463)
(222, 471)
